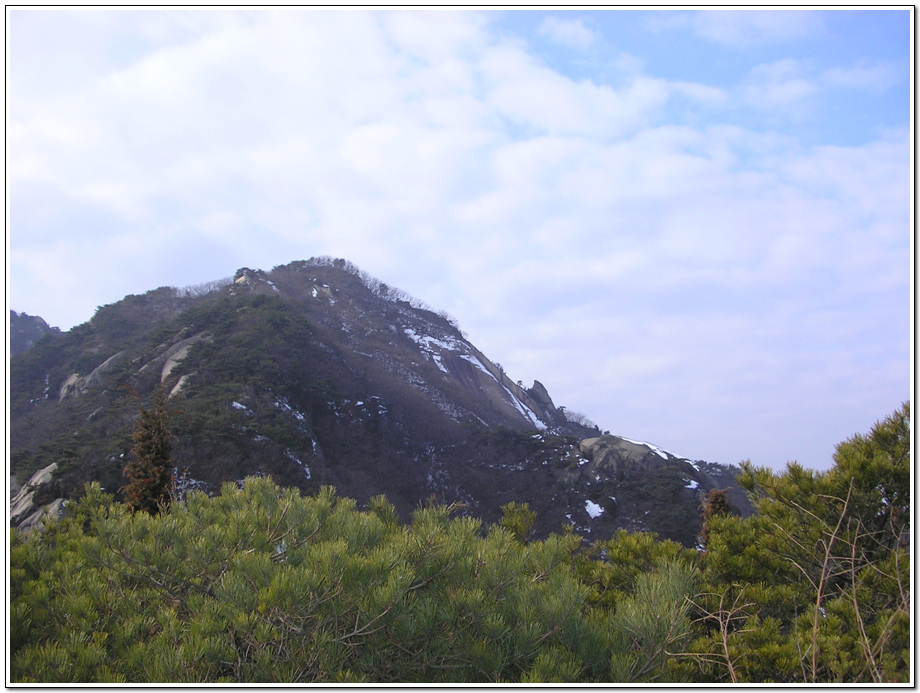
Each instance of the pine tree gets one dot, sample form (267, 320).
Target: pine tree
(716, 504)
(150, 476)
(814, 587)
(518, 519)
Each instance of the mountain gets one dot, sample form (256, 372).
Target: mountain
(25, 330)
(317, 374)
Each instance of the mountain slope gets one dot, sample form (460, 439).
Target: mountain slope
(317, 374)
(25, 330)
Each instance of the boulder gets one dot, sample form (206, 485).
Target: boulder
(22, 506)
(179, 351)
(539, 393)
(177, 388)
(54, 510)
(76, 385)
(616, 455)
(587, 446)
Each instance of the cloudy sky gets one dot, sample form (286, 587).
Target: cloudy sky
(693, 227)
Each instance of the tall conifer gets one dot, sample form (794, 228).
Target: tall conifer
(150, 476)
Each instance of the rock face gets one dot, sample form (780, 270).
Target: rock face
(176, 353)
(622, 458)
(76, 385)
(542, 399)
(25, 511)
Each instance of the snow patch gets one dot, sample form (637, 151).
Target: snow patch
(433, 347)
(306, 469)
(593, 509)
(654, 448)
(285, 405)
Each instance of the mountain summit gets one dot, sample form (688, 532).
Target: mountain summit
(317, 374)
(25, 330)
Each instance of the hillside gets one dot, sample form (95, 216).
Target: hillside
(25, 330)
(316, 374)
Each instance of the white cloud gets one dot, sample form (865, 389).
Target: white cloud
(535, 98)
(869, 182)
(746, 28)
(568, 32)
(789, 83)
(437, 37)
(700, 93)
(778, 84)
(875, 78)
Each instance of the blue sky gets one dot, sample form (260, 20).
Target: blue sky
(694, 227)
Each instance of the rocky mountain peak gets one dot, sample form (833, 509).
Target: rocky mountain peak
(25, 330)
(317, 374)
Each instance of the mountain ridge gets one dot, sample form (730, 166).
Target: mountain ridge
(317, 374)
(25, 330)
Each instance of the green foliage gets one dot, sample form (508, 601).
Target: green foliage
(815, 586)
(612, 568)
(653, 622)
(261, 584)
(716, 504)
(518, 519)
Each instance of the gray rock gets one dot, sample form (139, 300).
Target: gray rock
(22, 506)
(179, 351)
(54, 510)
(539, 393)
(76, 385)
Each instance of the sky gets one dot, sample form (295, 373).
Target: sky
(693, 227)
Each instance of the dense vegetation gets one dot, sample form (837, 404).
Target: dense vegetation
(263, 584)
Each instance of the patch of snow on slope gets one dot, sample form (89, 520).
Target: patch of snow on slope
(286, 406)
(593, 509)
(306, 469)
(427, 341)
(654, 448)
(525, 412)
(433, 346)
